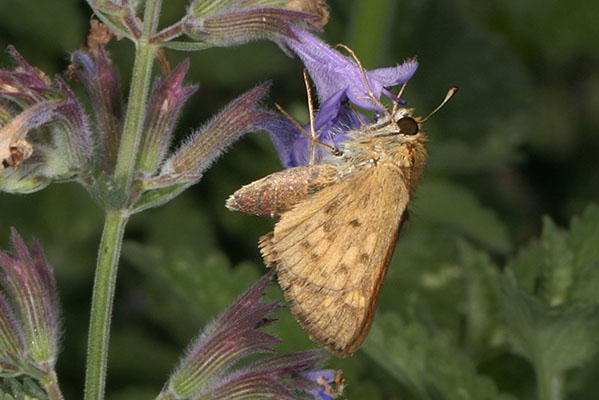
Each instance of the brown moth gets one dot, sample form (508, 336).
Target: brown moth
(339, 222)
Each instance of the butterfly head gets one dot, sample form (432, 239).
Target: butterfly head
(401, 123)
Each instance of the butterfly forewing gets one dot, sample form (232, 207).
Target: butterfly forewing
(332, 250)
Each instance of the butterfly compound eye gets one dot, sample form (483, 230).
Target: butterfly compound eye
(407, 126)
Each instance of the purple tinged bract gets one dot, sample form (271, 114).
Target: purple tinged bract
(225, 23)
(28, 281)
(12, 342)
(101, 80)
(164, 107)
(205, 145)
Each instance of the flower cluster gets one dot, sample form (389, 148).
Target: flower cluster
(45, 135)
(44, 132)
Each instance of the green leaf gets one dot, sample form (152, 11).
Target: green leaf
(444, 202)
(562, 266)
(550, 301)
(22, 388)
(425, 362)
(582, 240)
(158, 197)
(552, 339)
(481, 309)
(186, 286)
(107, 193)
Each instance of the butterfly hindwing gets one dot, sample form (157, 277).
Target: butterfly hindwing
(331, 252)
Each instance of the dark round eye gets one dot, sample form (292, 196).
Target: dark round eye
(407, 126)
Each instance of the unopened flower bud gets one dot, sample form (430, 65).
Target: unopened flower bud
(164, 107)
(28, 281)
(207, 144)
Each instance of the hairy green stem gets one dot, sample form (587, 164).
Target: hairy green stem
(151, 16)
(51, 385)
(103, 295)
(132, 133)
(116, 220)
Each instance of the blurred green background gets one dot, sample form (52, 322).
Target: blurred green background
(518, 142)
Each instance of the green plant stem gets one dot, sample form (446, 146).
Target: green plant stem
(51, 385)
(549, 385)
(116, 220)
(151, 16)
(132, 133)
(103, 295)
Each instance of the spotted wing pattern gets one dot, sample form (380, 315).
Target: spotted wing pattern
(332, 250)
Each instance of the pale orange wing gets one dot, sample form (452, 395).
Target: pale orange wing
(332, 250)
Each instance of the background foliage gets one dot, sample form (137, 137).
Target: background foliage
(484, 295)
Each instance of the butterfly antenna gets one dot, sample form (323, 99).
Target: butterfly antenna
(363, 72)
(332, 149)
(396, 103)
(311, 111)
(448, 97)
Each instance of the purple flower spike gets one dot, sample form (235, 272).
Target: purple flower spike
(334, 73)
(28, 280)
(230, 338)
(210, 370)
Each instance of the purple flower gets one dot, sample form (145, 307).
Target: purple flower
(339, 81)
(331, 128)
(326, 384)
(338, 78)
